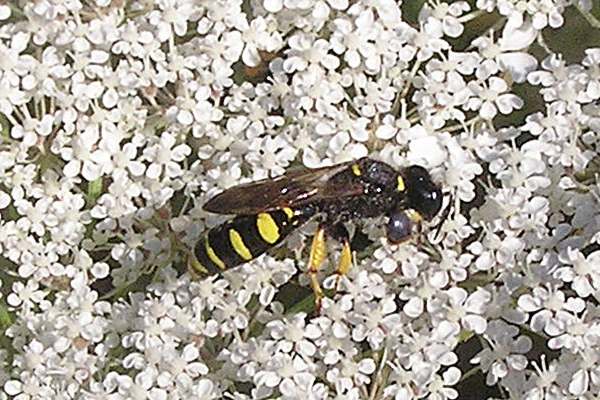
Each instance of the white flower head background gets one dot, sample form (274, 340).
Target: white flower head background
(120, 119)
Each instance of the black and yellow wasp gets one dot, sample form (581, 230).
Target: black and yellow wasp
(268, 210)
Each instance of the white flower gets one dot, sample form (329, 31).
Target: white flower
(4, 12)
(81, 157)
(25, 296)
(549, 304)
(491, 97)
(354, 39)
(132, 40)
(255, 36)
(448, 13)
(504, 55)
(165, 156)
(143, 385)
(587, 374)
(350, 373)
(264, 279)
(541, 14)
(375, 97)
(294, 335)
(505, 353)
(272, 154)
(546, 381)
(306, 53)
(119, 120)
(429, 39)
(468, 309)
(573, 332)
(303, 385)
(280, 370)
(171, 18)
(36, 217)
(582, 272)
(373, 321)
(440, 388)
(27, 387)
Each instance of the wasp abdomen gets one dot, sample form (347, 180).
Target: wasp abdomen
(244, 238)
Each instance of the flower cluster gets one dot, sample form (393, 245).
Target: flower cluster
(120, 119)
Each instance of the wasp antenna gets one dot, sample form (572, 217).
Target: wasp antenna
(443, 217)
(432, 250)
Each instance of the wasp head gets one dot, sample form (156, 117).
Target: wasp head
(423, 195)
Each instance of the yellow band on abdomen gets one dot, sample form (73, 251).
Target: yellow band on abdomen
(213, 256)
(267, 228)
(238, 245)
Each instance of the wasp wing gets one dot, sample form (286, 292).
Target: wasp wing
(292, 189)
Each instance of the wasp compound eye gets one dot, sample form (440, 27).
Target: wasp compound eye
(424, 195)
(399, 227)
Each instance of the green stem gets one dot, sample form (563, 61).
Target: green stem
(469, 373)
(590, 18)
(471, 16)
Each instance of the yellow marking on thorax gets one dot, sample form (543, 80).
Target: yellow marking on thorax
(267, 228)
(288, 211)
(213, 256)
(356, 170)
(238, 245)
(401, 187)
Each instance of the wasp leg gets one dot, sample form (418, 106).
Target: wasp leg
(339, 232)
(318, 252)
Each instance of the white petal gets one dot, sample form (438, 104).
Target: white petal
(508, 102)
(385, 132)
(13, 387)
(475, 323)
(4, 14)
(487, 111)
(579, 384)
(517, 37)
(153, 171)
(518, 64)
(136, 168)
(250, 56)
(266, 295)
(4, 200)
(273, 5)
(72, 168)
(110, 98)
(100, 270)
(528, 303)
(452, 27)
(338, 4)
(427, 148)
(90, 171)
(413, 308)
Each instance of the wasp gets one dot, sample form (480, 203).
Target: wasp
(269, 210)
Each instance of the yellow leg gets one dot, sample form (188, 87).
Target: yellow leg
(344, 263)
(318, 252)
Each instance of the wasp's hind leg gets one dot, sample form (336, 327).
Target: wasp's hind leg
(339, 232)
(318, 252)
